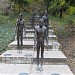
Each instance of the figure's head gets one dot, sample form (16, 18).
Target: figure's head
(20, 16)
(41, 22)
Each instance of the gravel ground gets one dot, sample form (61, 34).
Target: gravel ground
(68, 45)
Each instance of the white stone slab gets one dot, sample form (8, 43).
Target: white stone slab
(52, 36)
(50, 26)
(17, 53)
(14, 69)
(31, 43)
(52, 69)
(30, 30)
(24, 43)
(32, 35)
(51, 30)
(52, 54)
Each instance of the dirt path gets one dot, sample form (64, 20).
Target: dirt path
(68, 45)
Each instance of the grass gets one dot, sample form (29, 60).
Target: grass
(7, 26)
(6, 32)
(61, 23)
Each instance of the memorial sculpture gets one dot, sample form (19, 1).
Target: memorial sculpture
(45, 18)
(33, 18)
(40, 32)
(46, 24)
(20, 26)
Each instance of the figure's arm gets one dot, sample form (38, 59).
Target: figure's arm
(35, 36)
(16, 28)
(46, 38)
(24, 25)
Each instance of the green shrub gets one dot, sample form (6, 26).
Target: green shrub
(70, 23)
(6, 31)
(71, 10)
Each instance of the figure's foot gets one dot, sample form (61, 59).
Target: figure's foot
(41, 68)
(37, 68)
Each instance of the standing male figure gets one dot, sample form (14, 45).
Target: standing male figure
(46, 24)
(19, 27)
(33, 18)
(40, 32)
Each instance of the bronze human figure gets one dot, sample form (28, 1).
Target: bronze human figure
(40, 32)
(19, 28)
(33, 18)
(46, 24)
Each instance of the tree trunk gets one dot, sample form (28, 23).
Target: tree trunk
(47, 10)
(19, 8)
(14, 7)
(61, 13)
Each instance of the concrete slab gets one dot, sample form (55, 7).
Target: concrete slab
(31, 43)
(30, 27)
(52, 36)
(52, 54)
(17, 56)
(32, 36)
(30, 30)
(14, 69)
(51, 31)
(24, 43)
(52, 69)
(52, 57)
(17, 53)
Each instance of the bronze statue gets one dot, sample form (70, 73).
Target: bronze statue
(40, 32)
(19, 28)
(46, 24)
(33, 18)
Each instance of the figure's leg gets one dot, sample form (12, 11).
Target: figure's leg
(38, 51)
(42, 52)
(18, 45)
(46, 36)
(21, 38)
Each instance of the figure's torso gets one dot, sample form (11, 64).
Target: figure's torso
(40, 33)
(20, 25)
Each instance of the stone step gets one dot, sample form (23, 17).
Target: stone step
(30, 44)
(17, 56)
(30, 69)
(51, 57)
(32, 36)
(24, 56)
(32, 31)
(52, 70)
(29, 36)
(15, 69)
(31, 27)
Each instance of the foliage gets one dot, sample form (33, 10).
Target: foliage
(71, 2)
(71, 10)
(21, 4)
(47, 3)
(6, 32)
(58, 7)
(62, 26)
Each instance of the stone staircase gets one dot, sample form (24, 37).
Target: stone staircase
(23, 61)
